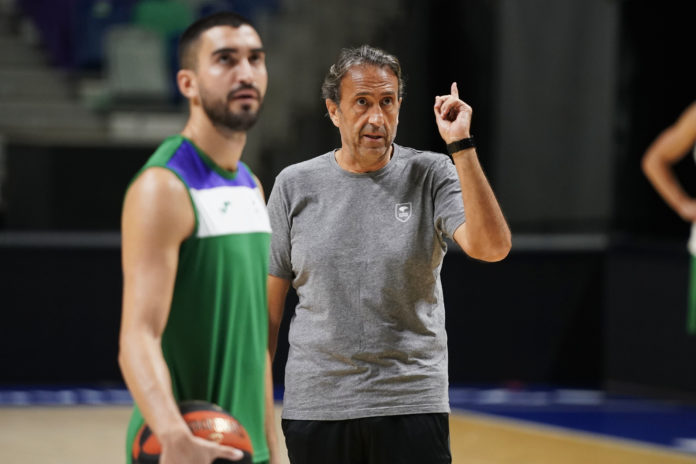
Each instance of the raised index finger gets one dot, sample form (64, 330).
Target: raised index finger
(454, 91)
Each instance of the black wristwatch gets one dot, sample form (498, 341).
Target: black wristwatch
(459, 145)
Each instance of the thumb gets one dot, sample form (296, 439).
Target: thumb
(228, 452)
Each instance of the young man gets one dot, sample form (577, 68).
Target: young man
(672, 145)
(360, 233)
(195, 237)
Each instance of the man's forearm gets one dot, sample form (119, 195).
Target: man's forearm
(487, 232)
(270, 425)
(147, 376)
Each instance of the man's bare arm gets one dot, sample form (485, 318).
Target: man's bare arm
(485, 234)
(157, 217)
(277, 292)
(673, 144)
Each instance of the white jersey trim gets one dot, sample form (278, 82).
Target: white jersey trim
(230, 210)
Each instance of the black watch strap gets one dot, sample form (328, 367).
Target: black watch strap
(459, 145)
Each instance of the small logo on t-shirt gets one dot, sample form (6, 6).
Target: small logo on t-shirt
(403, 211)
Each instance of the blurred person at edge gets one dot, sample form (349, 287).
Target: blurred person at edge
(670, 147)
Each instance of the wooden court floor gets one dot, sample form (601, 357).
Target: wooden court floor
(89, 435)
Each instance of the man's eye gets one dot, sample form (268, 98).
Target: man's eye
(361, 101)
(387, 101)
(226, 59)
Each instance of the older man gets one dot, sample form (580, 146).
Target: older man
(360, 234)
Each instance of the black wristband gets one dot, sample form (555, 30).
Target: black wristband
(459, 145)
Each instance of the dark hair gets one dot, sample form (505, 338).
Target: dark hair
(194, 31)
(351, 57)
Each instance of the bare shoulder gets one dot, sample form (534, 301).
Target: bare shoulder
(158, 201)
(157, 180)
(258, 183)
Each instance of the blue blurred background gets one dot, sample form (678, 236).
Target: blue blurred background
(567, 95)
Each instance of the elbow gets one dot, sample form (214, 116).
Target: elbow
(494, 258)
(494, 251)
(645, 165)
(650, 164)
(122, 356)
(499, 252)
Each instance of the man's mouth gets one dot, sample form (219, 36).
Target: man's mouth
(244, 95)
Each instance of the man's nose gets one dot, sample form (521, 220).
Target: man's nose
(245, 73)
(376, 117)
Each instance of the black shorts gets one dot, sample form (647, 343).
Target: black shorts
(405, 439)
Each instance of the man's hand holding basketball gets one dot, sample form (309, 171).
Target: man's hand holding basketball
(187, 449)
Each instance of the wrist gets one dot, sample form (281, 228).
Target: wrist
(456, 146)
(454, 138)
(174, 433)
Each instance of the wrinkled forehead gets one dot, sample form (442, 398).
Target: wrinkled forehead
(366, 78)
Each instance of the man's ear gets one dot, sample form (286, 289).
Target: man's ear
(188, 86)
(332, 108)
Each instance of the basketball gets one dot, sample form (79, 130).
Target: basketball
(206, 420)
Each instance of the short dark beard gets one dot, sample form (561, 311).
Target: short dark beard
(220, 114)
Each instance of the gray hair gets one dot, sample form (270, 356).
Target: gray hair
(352, 57)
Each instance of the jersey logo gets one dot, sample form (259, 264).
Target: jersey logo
(403, 211)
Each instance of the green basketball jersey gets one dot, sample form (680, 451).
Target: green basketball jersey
(215, 339)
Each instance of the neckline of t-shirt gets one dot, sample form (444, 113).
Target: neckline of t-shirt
(380, 171)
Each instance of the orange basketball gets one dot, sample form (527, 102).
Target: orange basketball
(206, 420)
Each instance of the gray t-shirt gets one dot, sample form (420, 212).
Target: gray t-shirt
(364, 252)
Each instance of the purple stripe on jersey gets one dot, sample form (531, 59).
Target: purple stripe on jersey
(198, 175)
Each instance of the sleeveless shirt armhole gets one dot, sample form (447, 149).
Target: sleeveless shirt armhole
(188, 193)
